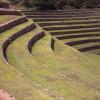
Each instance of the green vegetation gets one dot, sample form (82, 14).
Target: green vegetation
(13, 80)
(51, 71)
(46, 74)
(4, 19)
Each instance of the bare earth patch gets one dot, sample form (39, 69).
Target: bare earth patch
(5, 96)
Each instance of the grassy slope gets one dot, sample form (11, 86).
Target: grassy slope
(47, 72)
(29, 65)
(12, 80)
(73, 39)
(82, 64)
(43, 52)
(94, 51)
(64, 72)
(95, 58)
(61, 49)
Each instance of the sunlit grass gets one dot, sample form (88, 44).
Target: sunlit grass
(6, 18)
(13, 80)
(64, 73)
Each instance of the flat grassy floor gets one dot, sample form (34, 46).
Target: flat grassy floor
(13, 80)
(4, 19)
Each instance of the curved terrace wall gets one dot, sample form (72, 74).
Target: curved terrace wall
(61, 15)
(15, 36)
(89, 48)
(65, 19)
(77, 31)
(34, 39)
(70, 27)
(10, 12)
(77, 36)
(11, 24)
(43, 24)
(52, 43)
(82, 42)
(39, 12)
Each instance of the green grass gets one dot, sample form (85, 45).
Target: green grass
(62, 74)
(97, 51)
(7, 18)
(93, 57)
(75, 66)
(68, 30)
(79, 39)
(13, 80)
(45, 55)
(86, 45)
(46, 68)
(71, 25)
(79, 46)
(76, 34)
(70, 21)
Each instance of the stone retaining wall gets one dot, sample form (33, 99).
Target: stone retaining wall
(15, 36)
(10, 12)
(34, 39)
(12, 24)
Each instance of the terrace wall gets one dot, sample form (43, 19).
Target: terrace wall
(14, 37)
(12, 24)
(89, 48)
(10, 12)
(77, 36)
(34, 39)
(82, 42)
(52, 43)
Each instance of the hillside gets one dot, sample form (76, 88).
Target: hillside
(50, 55)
